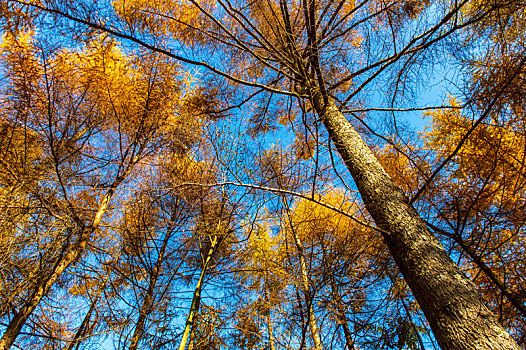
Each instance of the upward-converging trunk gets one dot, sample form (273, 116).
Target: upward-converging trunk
(340, 315)
(306, 291)
(456, 313)
(305, 284)
(267, 313)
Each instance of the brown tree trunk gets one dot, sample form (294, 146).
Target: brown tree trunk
(44, 284)
(340, 315)
(455, 311)
(148, 298)
(305, 283)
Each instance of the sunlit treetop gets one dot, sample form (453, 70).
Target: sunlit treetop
(182, 20)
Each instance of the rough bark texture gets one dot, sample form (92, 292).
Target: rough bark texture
(455, 311)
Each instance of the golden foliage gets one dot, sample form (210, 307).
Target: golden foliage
(318, 226)
(178, 19)
(492, 154)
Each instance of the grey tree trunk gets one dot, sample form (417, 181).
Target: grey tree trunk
(455, 311)
(305, 282)
(268, 315)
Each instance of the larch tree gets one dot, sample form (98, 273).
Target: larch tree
(93, 116)
(307, 64)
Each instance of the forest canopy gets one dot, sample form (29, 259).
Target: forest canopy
(266, 174)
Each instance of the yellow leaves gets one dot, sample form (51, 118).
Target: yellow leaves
(402, 171)
(136, 92)
(490, 148)
(261, 246)
(19, 151)
(181, 170)
(315, 222)
(304, 149)
(11, 42)
(177, 18)
(488, 167)
(19, 55)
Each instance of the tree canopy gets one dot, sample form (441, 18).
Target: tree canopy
(267, 174)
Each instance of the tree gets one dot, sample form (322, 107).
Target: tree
(76, 105)
(323, 57)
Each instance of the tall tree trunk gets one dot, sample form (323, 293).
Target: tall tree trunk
(65, 260)
(191, 339)
(196, 299)
(455, 311)
(82, 331)
(83, 328)
(340, 315)
(268, 315)
(305, 283)
(148, 298)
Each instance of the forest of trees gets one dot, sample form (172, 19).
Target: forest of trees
(262, 174)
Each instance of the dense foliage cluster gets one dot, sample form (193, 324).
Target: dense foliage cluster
(200, 174)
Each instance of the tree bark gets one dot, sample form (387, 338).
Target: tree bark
(305, 285)
(65, 260)
(268, 315)
(148, 298)
(196, 299)
(455, 311)
(340, 315)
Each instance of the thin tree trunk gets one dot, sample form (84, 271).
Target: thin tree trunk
(304, 282)
(81, 331)
(305, 285)
(268, 316)
(455, 311)
(148, 298)
(65, 260)
(196, 299)
(342, 319)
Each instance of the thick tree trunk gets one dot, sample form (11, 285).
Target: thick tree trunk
(44, 284)
(148, 298)
(455, 311)
(191, 339)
